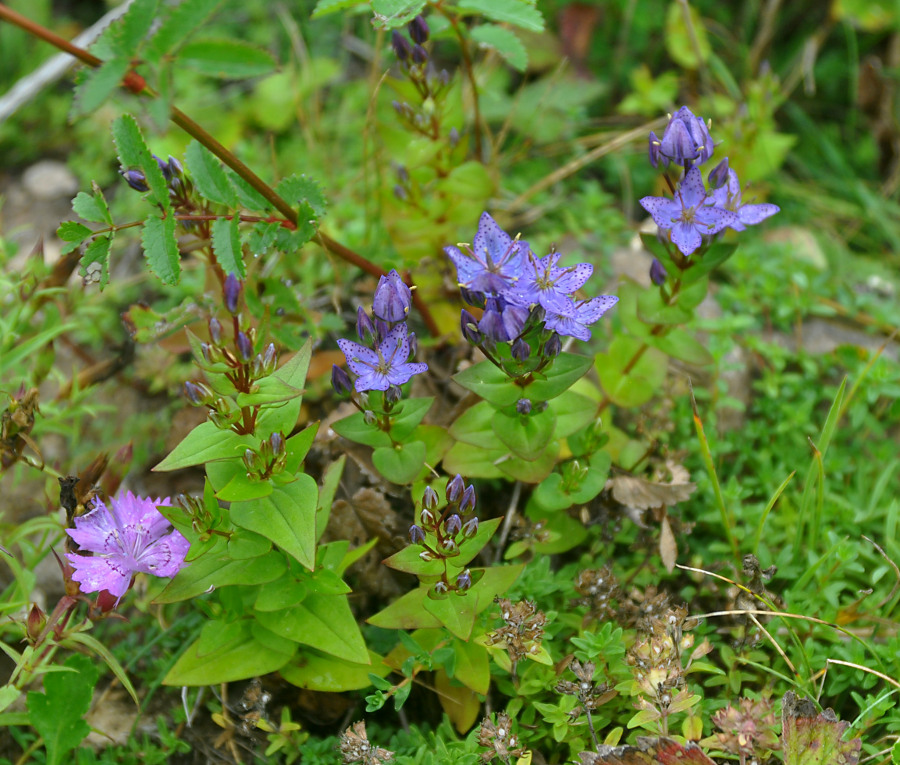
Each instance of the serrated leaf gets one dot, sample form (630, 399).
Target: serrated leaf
(504, 41)
(301, 188)
(134, 154)
(179, 25)
(73, 234)
(226, 241)
(393, 13)
(324, 7)
(132, 28)
(92, 207)
(209, 176)
(161, 248)
(98, 84)
(57, 714)
(248, 197)
(521, 13)
(95, 262)
(228, 59)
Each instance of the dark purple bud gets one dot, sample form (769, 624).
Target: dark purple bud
(215, 330)
(400, 192)
(233, 289)
(400, 45)
(164, 166)
(464, 580)
(365, 330)
(553, 346)
(269, 358)
(523, 406)
(686, 140)
(520, 350)
(244, 347)
(418, 30)
(469, 326)
(402, 173)
(453, 525)
(398, 107)
(472, 298)
(470, 527)
(654, 149)
(392, 395)
(194, 393)
(392, 298)
(175, 167)
(416, 534)
(276, 441)
(453, 137)
(430, 498)
(455, 488)
(427, 518)
(413, 345)
(658, 273)
(718, 176)
(136, 179)
(419, 54)
(467, 503)
(340, 381)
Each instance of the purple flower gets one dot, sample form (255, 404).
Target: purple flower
(690, 217)
(392, 298)
(502, 321)
(577, 317)
(546, 284)
(386, 366)
(495, 261)
(728, 197)
(686, 140)
(131, 537)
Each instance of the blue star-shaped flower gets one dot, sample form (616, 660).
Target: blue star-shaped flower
(386, 366)
(546, 284)
(495, 261)
(690, 216)
(575, 319)
(728, 197)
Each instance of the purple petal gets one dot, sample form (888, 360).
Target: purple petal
(663, 211)
(395, 347)
(692, 191)
(165, 556)
(711, 220)
(100, 573)
(750, 215)
(572, 280)
(360, 359)
(403, 373)
(686, 237)
(466, 268)
(591, 310)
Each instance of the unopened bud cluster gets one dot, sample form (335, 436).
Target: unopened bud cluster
(180, 188)
(442, 534)
(268, 459)
(590, 695)
(204, 520)
(235, 357)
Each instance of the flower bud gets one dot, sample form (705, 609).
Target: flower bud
(444, 77)
(269, 358)
(430, 498)
(382, 328)
(523, 406)
(340, 381)
(418, 30)
(419, 54)
(464, 580)
(215, 330)
(553, 346)
(654, 149)
(175, 167)
(686, 140)
(136, 179)
(453, 525)
(416, 535)
(369, 417)
(106, 601)
(468, 324)
(392, 298)
(450, 547)
(453, 137)
(365, 330)
(400, 45)
(658, 273)
(455, 488)
(392, 395)
(718, 175)
(250, 460)
(441, 588)
(400, 192)
(193, 393)
(276, 442)
(467, 503)
(426, 555)
(472, 297)
(427, 518)
(520, 350)
(244, 347)
(232, 291)
(402, 173)
(470, 527)
(35, 623)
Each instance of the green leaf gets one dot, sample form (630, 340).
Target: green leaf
(57, 714)
(504, 41)
(355, 428)
(185, 18)
(572, 411)
(8, 694)
(297, 447)
(210, 179)
(92, 207)
(566, 370)
(521, 13)
(324, 7)
(390, 14)
(226, 242)
(551, 495)
(526, 436)
(134, 154)
(406, 613)
(301, 188)
(407, 416)
(216, 568)
(284, 593)
(161, 248)
(73, 233)
(228, 59)
(237, 655)
(324, 622)
(249, 197)
(473, 463)
(206, 443)
(641, 382)
(456, 612)
(408, 560)
(95, 261)
(95, 646)
(472, 665)
(489, 382)
(680, 344)
(686, 40)
(98, 84)
(653, 310)
(287, 517)
(132, 28)
(402, 463)
(330, 482)
(331, 674)
(283, 417)
(270, 390)
(530, 471)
